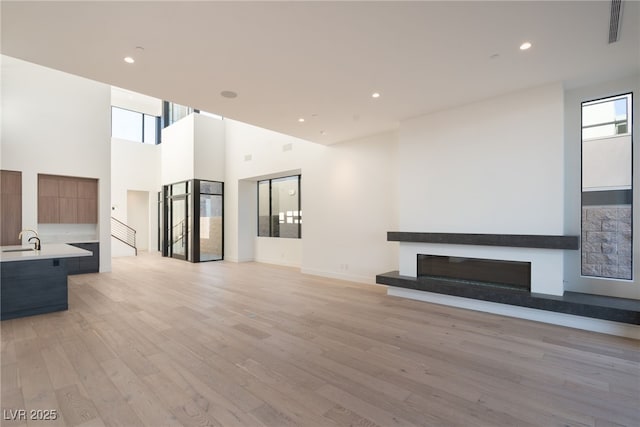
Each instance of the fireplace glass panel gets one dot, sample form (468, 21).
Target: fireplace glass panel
(512, 274)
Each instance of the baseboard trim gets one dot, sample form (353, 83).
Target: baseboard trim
(560, 319)
(231, 259)
(340, 276)
(276, 262)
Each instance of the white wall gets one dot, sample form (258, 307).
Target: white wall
(193, 147)
(490, 167)
(209, 143)
(138, 217)
(494, 166)
(347, 202)
(56, 123)
(572, 218)
(120, 249)
(135, 167)
(244, 224)
(177, 151)
(136, 101)
(267, 159)
(272, 250)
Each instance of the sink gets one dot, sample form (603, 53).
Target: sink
(18, 250)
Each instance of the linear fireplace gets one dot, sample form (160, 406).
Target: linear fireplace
(506, 274)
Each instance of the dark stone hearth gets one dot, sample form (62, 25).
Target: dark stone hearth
(595, 306)
(508, 240)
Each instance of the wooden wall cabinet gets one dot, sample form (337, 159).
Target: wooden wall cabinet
(68, 209)
(48, 210)
(67, 200)
(10, 207)
(48, 186)
(87, 201)
(87, 211)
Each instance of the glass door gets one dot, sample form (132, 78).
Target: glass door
(191, 220)
(179, 233)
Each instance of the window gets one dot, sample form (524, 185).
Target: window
(605, 118)
(134, 126)
(607, 189)
(150, 129)
(279, 212)
(173, 112)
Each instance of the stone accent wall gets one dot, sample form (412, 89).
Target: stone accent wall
(606, 241)
(211, 235)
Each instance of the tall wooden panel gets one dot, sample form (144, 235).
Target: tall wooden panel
(11, 207)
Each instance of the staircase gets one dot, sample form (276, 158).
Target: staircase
(124, 233)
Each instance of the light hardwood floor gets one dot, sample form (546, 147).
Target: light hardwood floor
(161, 342)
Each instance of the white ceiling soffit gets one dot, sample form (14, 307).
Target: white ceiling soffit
(124, 98)
(322, 61)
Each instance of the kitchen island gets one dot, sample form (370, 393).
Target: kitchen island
(35, 282)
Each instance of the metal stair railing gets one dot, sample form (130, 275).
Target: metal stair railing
(124, 233)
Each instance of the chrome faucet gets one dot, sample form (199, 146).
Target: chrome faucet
(28, 229)
(36, 245)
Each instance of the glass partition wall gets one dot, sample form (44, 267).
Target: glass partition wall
(191, 216)
(210, 221)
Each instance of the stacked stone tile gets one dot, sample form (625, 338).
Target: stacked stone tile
(606, 241)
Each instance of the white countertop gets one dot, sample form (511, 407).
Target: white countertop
(48, 251)
(71, 238)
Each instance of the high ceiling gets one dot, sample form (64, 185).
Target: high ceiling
(322, 61)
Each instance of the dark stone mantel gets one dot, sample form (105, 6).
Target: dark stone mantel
(509, 240)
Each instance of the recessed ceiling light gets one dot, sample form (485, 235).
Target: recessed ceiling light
(375, 95)
(129, 60)
(301, 120)
(228, 94)
(525, 46)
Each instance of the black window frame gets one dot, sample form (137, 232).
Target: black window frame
(615, 197)
(157, 121)
(271, 231)
(168, 117)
